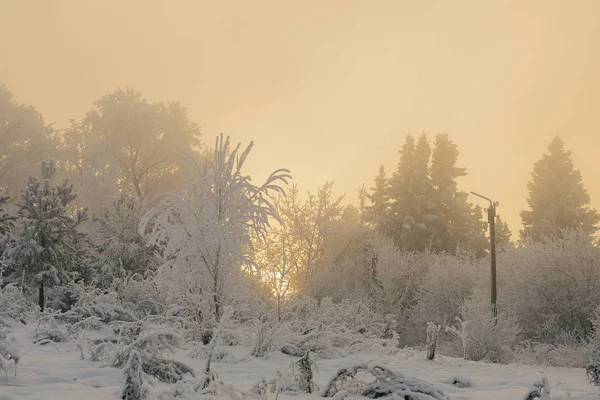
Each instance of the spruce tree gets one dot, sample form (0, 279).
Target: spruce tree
(459, 223)
(378, 211)
(47, 246)
(6, 224)
(121, 248)
(412, 209)
(6, 218)
(503, 233)
(557, 199)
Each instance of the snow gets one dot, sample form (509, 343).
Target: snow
(56, 372)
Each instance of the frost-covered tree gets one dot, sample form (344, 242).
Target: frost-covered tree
(135, 386)
(459, 224)
(379, 196)
(121, 248)
(503, 233)
(6, 224)
(6, 218)
(144, 139)
(557, 199)
(25, 140)
(412, 209)
(47, 246)
(205, 231)
(85, 161)
(275, 272)
(305, 225)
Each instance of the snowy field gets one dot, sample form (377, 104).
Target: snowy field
(56, 372)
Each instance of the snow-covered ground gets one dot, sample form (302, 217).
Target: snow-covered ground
(56, 372)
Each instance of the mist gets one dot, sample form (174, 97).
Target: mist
(284, 200)
(340, 83)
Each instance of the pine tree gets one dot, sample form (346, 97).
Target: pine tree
(378, 211)
(121, 248)
(503, 233)
(557, 199)
(6, 224)
(135, 387)
(459, 223)
(47, 246)
(412, 217)
(6, 218)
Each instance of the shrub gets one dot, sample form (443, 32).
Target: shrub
(480, 335)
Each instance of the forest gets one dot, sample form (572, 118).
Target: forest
(131, 221)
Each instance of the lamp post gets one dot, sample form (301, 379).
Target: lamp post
(492, 222)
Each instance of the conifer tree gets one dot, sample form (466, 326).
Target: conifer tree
(47, 246)
(459, 223)
(135, 387)
(6, 224)
(557, 199)
(411, 193)
(6, 218)
(121, 248)
(379, 210)
(503, 233)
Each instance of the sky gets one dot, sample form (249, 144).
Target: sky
(330, 88)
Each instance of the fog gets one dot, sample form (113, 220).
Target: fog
(336, 229)
(330, 89)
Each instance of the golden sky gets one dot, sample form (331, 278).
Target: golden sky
(330, 88)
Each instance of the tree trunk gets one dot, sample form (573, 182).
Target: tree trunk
(41, 299)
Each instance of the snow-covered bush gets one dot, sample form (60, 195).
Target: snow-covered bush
(93, 302)
(553, 286)
(122, 250)
(345, 378)
(151, 344)
(449, 280)
(135, 386)
(266, 337)
(459, 381)
(387, 383)
(219, 354)
(593, 368)
(539, 390)
(328, 329)
(5, 327)
(209, 374)
(48, 330)
(14, 305)
(102, 350)
(397, 275)
(64, 297)
(404, 388)
(150, 348)
(304, 376)
(141, 294)
(481, 336)
(571, 355)
(8, 354)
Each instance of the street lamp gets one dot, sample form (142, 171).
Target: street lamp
(492, 222)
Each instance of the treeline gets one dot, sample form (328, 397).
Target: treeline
(421, 206)
(130, 195)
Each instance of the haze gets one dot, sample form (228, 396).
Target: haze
(329, 89)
